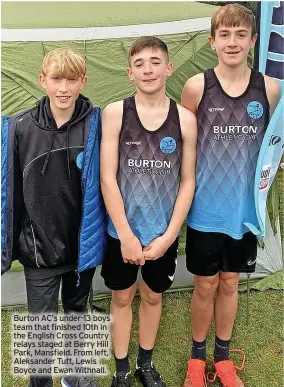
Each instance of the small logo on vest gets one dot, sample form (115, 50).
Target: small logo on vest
(79, 160)
(132, 142)
(264, 177)
(212, 110)
(255, 110)
(274, 140)
(168, 145)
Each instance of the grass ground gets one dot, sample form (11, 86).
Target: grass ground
(262, 341)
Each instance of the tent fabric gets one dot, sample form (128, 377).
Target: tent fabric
(69, 14)
(106, 58)
(98, 33)
(106, 68)
(269, 254)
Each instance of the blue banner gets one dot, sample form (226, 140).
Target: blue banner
(271, 63)
(271, 50)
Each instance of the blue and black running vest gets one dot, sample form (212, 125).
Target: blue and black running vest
(230, 133)
(149, 172)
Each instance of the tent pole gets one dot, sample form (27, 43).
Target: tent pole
(248, 293)
(256, 49)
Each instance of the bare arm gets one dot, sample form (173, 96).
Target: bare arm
(192, 92)
(111, 124)
(158, 246)
(187, 181)
(273, 93)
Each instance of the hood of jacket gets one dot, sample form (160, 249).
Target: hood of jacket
(43, 117)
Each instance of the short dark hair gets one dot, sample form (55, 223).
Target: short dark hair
(147, 42)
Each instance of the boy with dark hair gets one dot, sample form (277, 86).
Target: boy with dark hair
(148, 178)
(52, 161)
(233, 104)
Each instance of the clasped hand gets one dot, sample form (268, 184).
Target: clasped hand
(134, 253)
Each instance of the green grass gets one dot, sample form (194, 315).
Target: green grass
(262, 341)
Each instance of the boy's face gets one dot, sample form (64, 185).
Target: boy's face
(62, 92)
(232, 44)
(149, 70)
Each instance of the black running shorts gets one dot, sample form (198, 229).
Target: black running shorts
(207, 253)
(158, 274)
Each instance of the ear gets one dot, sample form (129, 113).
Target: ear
(84, 82)
(253, 41)
(211, 42)
(130, 74)
(42, 80)
(170, 69)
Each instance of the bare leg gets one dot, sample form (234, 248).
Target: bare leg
(202, 305)
(149, 316)
(121, 310)
(226, 304)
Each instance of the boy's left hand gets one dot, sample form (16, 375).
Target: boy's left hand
(156, 248)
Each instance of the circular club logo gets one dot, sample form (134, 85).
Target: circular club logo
(168, 145)
(79, 160)
(255, 110)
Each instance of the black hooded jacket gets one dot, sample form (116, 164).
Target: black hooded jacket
(51, 204)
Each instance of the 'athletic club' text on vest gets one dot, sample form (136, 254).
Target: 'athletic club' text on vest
(230, 133)
(149, 172)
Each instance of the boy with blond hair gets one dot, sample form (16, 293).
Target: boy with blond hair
(147, 184)
(233, 104)
(51, 173)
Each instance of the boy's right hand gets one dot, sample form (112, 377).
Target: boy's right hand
(131, 251)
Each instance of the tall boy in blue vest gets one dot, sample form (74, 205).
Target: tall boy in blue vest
(233, 104)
